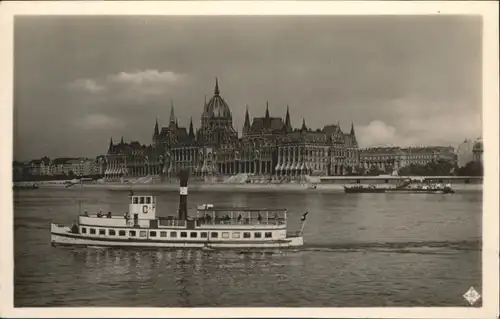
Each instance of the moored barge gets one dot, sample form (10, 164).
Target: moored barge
(403, 188)
(212, 228)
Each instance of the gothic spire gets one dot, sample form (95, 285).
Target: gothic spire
(110, 144)
(288, 123)
(267, 109)
(304, 127)
(191, 131)
(121, 141)
(216, 91)
(156, 131)
(172, 115)
(246, 125)
(352, 129)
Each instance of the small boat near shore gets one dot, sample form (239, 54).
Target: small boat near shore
(212, 228)
(25, 186)
(405, 187)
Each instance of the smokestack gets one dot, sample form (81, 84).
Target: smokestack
(183, 177)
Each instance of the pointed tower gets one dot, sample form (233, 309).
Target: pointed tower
(288, 123)
(267, 109)
(246, 125)
(156, 132)
(216, 90)
(121, 141)
(304, 127)
(191, 131)
(172, 113)
(110, 148)
(353, 135)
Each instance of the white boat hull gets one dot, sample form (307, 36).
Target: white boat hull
(62, 236)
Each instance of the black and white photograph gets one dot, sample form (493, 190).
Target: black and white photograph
(190, 159)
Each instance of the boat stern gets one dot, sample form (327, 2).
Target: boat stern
(296, 239)
(58, 234)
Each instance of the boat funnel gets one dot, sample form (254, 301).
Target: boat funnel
(183, 191)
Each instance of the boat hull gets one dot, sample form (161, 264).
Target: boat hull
(363, 190)
(62, 236)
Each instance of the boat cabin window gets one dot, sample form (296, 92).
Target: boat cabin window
(184, 234)
(257, 235)
(142, 233)
(148, 200)
(92, 231)
(269, 234)
(102, 231)
(203, 235)
(214, 234)
(225, 235)
(84, 230)
(112, 232)
(235, 235)
(193, 234)
(173, 234)
(142, 200)
(136, 200)
(152, 234)
(121, 233)
(131, 233)
(246, 235)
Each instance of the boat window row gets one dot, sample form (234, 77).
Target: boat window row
(142, 199)
(176, 234)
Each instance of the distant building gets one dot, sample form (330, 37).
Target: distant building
(469, 150)
(477, 151)
(385, 159)
(391, 159)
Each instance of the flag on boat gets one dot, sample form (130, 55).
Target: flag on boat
(304, 216)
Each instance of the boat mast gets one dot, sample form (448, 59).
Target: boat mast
(183, 191)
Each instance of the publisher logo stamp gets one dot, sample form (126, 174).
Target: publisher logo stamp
(472, 296)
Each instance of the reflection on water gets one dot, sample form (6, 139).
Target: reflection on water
(367, 250)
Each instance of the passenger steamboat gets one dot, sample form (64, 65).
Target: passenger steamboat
(212, 228)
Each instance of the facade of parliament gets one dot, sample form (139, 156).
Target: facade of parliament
(269, 146)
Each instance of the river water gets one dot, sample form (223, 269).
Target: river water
(361, 250)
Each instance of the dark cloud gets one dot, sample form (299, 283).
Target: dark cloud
(401, 80)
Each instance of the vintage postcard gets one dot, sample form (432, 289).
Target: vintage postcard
(250, 159)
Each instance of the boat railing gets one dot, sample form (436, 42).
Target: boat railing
(240, 221)
(171, 222)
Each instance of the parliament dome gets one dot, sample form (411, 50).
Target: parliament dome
(217, 107)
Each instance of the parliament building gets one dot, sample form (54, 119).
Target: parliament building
(269, 146)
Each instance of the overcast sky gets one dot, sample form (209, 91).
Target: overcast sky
(401, 80)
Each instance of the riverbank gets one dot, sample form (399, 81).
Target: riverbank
(200, 187)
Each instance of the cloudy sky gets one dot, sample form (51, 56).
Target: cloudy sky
(401, 80)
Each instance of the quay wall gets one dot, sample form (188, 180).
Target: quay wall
(330, 183)
(267, 187)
